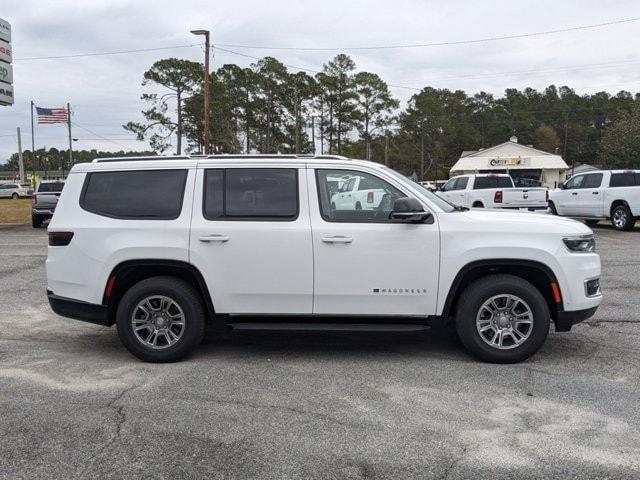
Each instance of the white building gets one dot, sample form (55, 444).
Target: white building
(519, 161)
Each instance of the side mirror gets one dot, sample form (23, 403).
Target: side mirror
(409, 210)
(562, 186)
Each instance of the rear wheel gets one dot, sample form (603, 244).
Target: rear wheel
(15, 196)
(160, 319)
(621, 218)
(36, 221)
(478, 205)
(503, 319)
(358, 206)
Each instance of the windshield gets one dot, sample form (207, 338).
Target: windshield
(432, 197)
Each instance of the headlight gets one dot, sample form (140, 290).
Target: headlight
(581, 244)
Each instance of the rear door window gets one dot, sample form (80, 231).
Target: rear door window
(251, 194)
(592, 180)
(140, 194)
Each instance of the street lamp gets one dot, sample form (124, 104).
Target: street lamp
(207, 132)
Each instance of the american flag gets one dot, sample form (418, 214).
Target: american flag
(52, 115)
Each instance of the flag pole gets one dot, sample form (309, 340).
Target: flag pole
(70, 140)
(33, 146)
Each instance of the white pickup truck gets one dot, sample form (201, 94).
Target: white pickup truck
(357, 193)
(600, 195)
(492, 191)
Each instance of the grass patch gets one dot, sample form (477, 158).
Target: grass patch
(15, 211)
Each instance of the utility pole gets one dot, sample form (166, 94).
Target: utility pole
(33, 146)
(20, 162)
(70, 140)
(206, 88)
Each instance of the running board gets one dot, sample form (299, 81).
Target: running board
(328, 327)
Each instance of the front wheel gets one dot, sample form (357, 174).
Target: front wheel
(160, 319)
(552, 209)
(503, 319)
(15, 196)
(591, 223)
(621, 218)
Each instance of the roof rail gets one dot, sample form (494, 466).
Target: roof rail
(221, 156)
(136, 159)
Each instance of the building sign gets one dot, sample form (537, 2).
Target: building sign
(6, 73)
(509, 162)
(5, 52)
(5, 31)
(6, 70)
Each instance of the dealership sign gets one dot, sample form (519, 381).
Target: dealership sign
(6, 70)
(6, 73)
(6, 94)
(508, 162)
(5, 31)
(5, 52)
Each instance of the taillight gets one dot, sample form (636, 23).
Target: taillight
(370, 197)
(60, 239)
(497, 198)
(34, 199)
(546, 195)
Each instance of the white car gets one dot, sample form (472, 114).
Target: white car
(491, 190)
(600, 195)
(14, 190)
(161, 246)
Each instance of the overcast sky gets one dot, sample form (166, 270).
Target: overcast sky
(104, 91)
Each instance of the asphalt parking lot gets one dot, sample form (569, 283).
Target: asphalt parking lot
(75, 404)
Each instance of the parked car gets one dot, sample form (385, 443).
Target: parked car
(160, 246)
(44, 201)
(433, 186)
(600, 195)
(14, 190)
(492, 191)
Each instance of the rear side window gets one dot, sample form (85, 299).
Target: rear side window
(461, 183)
(251, 194)
(623, 180)
(141, 194)
(54, 187)
(592, 181)
(482, 183)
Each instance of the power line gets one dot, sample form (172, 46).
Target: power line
(438, 44)
(98, 135)
(97, 54)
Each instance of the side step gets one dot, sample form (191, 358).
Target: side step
(327, 327)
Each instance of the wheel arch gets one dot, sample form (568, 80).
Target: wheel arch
(539, 274)
(616, 203)
(478, 204)
(126, 274)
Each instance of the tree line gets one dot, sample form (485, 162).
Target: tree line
(268, 108)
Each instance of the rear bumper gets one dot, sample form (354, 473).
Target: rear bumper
(565, 320)
(43, 212)
(78, 310)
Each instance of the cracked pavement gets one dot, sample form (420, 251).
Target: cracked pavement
(75, 404)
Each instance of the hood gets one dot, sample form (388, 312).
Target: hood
(501, 220)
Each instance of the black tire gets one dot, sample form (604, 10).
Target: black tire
(36, 221)
(478, 205)
(358, 206)
(621, 218)
(552, 209)
(15, 196)
(481, 291)
(185, 296)
(591, 223)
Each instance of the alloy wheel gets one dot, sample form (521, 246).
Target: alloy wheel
(504, 321)
(158, 322)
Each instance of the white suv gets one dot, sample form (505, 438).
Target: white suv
(161, 246)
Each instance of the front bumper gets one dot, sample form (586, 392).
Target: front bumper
(565, 320)
(79, 310)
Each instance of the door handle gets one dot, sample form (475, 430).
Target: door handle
(574, 193)
(594, 193)
(214, 238)
(337, 239)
